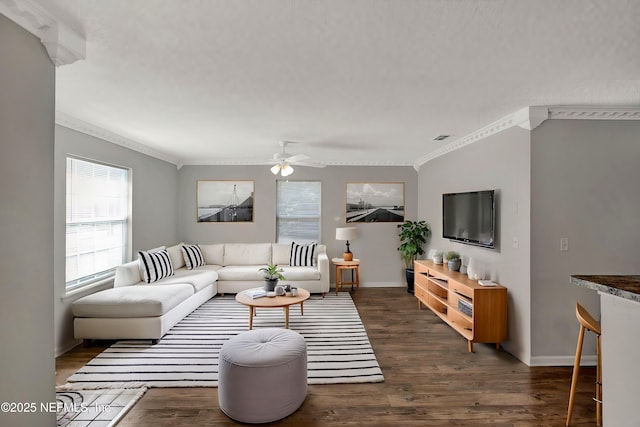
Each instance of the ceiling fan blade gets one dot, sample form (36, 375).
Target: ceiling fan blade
(297, 158)
(311, 165)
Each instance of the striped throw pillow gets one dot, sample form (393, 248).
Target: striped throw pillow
(302, 255)
(155, 265)
(192, 256)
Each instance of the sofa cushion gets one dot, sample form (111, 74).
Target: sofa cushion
(128, 274)
(240, 272)
(300, 273)
(212, 267)
(281, 253)
(132, 301)
(213, 254)
(247, 253)
(175, 253)
(199, 278)
(192, 256)
(302, 255)
(155, 265)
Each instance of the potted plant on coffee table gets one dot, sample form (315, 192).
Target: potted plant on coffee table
(413, 236)
(272, 273)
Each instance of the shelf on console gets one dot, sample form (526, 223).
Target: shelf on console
(441, 290)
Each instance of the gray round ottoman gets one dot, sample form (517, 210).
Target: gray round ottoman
(262, 375)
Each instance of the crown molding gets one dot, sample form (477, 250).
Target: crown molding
(530, 118)
(594, 113)
(63, 45)
(527, 118)
(81, 126)
(73, 123)
(253, 162)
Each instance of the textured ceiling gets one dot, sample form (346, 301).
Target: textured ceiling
(352, 82)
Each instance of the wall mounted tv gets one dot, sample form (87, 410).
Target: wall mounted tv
(470, 217)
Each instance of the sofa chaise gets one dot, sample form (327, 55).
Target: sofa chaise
(136, 309)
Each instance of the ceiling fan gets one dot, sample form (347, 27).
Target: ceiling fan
(282, 161)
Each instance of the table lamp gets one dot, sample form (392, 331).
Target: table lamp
(347, 233)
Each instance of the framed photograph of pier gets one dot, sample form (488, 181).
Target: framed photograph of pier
(375, 202)
(224, 201)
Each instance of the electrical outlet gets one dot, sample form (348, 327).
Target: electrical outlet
(564, 244)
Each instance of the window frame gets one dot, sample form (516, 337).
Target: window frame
(103, 276)
(318, 218)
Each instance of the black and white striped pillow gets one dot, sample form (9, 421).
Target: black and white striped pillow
(302, 255)
(192, 256)
(155, 265)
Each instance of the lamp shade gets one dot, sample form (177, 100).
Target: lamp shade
(346, 233)
(286, 170)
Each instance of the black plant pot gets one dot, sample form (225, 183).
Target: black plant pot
(270, 285)
(409, 274)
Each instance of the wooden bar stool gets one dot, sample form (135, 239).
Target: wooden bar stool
(589, 323)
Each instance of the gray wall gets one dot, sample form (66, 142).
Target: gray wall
(568, 178)
(154, 209)
(27, 90)
(376, 245)
(585, 176)
(500, 162)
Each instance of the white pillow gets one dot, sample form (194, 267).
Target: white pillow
(302, 255)
(192, 256)
(175, 253)
(213, 254)
(280, 253)
(155, 265)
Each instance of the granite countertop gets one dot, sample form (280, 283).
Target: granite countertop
(627, 287)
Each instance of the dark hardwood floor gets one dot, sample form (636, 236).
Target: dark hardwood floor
(430, 380)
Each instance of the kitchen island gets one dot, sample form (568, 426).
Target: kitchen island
(620, 323)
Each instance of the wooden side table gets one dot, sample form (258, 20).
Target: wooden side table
(341, 266)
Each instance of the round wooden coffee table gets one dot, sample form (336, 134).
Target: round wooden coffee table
(273, 302)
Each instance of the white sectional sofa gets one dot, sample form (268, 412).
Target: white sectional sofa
(134, 309)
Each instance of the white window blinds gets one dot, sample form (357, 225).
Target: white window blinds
(298, 211)
(97, 220)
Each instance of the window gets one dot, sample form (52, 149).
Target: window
(298, 211)
(97, 221)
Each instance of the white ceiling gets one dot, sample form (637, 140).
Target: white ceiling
(352, 82)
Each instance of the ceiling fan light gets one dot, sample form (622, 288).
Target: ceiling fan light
(286, 170)
(275, 169)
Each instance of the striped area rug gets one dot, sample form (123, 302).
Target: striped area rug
(338, 349)
(104, 408)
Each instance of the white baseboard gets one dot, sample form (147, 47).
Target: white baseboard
(59, 351)
(586, 360)
(376, 285)
(383, 285)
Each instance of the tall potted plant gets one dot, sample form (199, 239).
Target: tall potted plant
(413, 235)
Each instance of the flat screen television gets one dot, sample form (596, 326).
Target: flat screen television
(470, 217)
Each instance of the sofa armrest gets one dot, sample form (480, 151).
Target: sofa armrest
(127, 274)
(323, 266)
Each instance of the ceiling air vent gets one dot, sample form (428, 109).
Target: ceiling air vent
(441, 137)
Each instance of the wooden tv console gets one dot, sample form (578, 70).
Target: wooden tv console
(478, 313)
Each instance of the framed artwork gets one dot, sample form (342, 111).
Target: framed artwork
(224, 201)
(375, 202)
